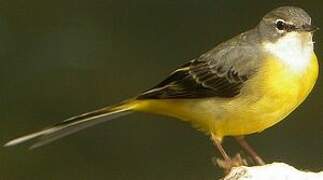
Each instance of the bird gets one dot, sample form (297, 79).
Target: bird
(240, 87)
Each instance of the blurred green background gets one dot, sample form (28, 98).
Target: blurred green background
(61, 58)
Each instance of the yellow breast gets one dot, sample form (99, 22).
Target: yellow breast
(266, 99)
(272, 95)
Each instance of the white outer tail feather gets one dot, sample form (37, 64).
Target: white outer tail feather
(72, 125)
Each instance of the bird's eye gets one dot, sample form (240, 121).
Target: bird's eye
(280, 24)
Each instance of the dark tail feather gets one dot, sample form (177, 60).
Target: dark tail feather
(74, 124)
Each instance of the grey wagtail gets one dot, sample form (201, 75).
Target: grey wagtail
(242, 86)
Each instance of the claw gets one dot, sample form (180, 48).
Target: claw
(228, 164)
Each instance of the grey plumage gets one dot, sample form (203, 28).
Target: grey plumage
(219, 72)
(222, 71)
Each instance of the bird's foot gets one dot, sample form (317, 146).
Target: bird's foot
(228, 164)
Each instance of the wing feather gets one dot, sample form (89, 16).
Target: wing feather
(221, 72)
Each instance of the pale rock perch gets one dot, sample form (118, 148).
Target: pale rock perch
(274, 171)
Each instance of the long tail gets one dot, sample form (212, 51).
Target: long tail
(75, 124)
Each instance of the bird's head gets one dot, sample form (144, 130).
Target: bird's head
(286, 21)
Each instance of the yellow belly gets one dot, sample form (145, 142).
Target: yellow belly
(266, 99)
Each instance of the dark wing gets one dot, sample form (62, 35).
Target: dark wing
(220, 72)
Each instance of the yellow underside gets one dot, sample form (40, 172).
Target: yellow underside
(267, 98)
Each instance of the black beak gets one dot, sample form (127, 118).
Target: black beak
(308, 28)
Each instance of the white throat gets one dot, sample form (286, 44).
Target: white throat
(294, 50)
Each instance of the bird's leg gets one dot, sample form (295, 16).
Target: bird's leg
(227, 163)
(219, 146)
(243, 143)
